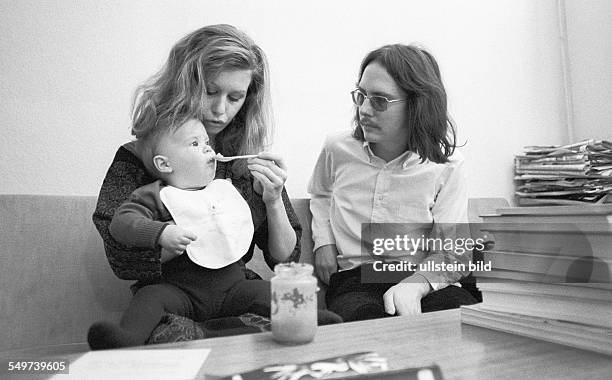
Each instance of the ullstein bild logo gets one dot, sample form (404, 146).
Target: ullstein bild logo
(428, 266)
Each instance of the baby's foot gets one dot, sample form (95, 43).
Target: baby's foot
(105, 335)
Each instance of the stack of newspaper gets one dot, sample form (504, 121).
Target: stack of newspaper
(568, 174)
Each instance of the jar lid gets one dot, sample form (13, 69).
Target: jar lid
(293, 269)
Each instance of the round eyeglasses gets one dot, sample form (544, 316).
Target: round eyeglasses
(379, 103)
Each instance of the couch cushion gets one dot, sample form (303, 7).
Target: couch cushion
(54, 277)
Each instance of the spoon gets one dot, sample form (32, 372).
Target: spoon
(221, 158)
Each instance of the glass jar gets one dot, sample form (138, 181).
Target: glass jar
(294, 303)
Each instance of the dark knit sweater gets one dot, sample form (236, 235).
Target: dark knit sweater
(127, 173)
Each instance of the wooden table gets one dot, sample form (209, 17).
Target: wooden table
(461, 351)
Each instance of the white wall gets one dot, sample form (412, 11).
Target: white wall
(68, 70)
(589, 28)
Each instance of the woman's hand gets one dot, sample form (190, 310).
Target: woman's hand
(405, 298)
(270, 173)
(326, 262)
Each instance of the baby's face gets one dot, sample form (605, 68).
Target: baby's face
(190, 156)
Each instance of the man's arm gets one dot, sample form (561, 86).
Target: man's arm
(320, 187)
(450, 221)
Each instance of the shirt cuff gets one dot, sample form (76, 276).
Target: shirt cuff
(435, 280)
(323, 238)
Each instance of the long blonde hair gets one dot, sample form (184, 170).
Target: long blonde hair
(176, 93)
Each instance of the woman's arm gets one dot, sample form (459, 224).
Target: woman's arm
(264, 238)
(280, 240)
(125, 175)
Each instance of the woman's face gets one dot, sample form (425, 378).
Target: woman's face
(225, 95)
(387, 127)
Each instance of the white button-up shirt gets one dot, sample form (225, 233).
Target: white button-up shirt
(350, 186)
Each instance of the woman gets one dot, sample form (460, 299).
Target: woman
(397, 166)
(218, 76)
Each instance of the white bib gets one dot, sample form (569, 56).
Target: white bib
(218, 215)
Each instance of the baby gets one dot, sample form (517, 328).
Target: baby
(213, 226)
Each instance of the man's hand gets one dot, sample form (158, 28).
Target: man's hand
(405, 297)
(176, 239)
(326, 262)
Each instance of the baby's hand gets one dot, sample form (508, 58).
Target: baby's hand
(176, 239)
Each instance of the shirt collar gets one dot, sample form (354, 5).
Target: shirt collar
(404, 160)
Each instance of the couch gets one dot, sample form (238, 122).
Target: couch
(54, 277)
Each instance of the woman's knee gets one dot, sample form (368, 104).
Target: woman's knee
(358, 306)
(248, 296)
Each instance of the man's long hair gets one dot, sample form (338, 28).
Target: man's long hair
(432, 133)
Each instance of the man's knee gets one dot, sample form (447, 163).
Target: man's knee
(450, 297)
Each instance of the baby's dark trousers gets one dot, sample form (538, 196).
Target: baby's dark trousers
(196, 293)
